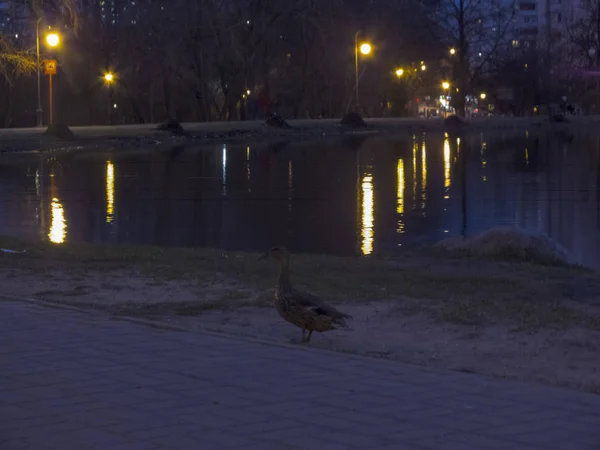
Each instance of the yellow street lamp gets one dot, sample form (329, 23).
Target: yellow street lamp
(109, 79)
(423, 67)
(399, 72)
(52, 39)
(483, 96)
(445, 87)
(365, 48)
(453, 51)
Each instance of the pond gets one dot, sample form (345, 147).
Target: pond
(357, 195)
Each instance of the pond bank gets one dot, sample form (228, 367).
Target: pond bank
(517, 320)
(136, 136)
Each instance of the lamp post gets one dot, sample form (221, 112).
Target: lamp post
(445, 87)
(52, 40)
(109, 78)
(365, 49)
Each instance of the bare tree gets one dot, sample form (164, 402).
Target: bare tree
(477, 30)
(584, 43)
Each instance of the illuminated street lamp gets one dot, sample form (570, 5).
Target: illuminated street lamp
(483, 96)
(445, 87)
(109, 79)
(399, 72)
(453, 51)
(364, 48)
(423, 67)
(52, 40)
(50, 67)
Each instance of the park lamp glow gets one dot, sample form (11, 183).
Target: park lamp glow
(52, 39)
(365, 48)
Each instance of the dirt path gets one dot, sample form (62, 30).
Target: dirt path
(440, 333)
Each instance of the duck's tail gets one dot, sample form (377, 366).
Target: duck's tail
(341, 322)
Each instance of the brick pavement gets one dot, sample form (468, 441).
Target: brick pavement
(78, 380)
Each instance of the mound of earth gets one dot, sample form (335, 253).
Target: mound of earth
(171, 126)
(510, 244)
(60, 131)
(353, 119)
(275, 120)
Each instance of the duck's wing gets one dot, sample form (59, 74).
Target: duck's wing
(318, 306)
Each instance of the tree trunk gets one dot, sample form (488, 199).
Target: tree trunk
(8, 116)
(168, 99)
(463, 61)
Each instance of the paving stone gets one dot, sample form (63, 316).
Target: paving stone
(73, 380)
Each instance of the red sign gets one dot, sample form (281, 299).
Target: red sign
(50, 66)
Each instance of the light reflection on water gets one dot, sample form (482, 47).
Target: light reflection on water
(248, 169)
(447, 179)
(224, 170)
(415, 148)
(400, 196)
(58, 225)
(423, 175)
(368, 214)
(325, 191)
(110, 192)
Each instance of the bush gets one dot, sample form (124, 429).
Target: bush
(275, 120)
(60, 131)
(509, 244)
(171, 126)
(353, 119)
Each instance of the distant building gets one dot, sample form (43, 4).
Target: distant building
(113, 12)
(544, 22)
(14, 18)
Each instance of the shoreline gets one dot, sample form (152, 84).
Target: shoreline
(139, 136)
(519, 320)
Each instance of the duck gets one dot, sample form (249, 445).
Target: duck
(302, 309)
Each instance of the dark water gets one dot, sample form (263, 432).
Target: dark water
(356, 196)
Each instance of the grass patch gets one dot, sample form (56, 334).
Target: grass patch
(467, 291)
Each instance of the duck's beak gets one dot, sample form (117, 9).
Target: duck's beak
(263, 256)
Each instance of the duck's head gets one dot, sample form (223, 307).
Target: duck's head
(279, 253)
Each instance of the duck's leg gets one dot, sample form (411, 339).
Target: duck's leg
(309, 335)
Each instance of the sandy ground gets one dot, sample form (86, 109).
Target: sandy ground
(558, 357)
(388, 330)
